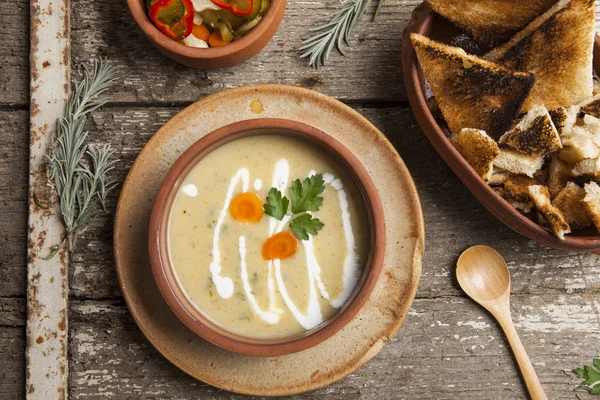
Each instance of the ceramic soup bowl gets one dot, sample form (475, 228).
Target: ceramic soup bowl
(167, 277)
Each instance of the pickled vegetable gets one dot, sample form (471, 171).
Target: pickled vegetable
(217, 27)
(215, 40)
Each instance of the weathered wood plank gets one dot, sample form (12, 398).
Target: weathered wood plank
(47, 278)
(14, 150)
(372, 70)
(154, 78)
(454, 219)
(12, 363)
(13, 311)
(14, 52)
(448, 348)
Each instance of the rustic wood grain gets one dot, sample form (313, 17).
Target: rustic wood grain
(449, 348)
(454, 219)
(371, 72)
(14, 52)
(12, 362)
(14, 150)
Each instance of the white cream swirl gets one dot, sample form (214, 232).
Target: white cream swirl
(312, 315)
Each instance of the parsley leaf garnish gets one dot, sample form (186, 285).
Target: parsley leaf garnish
(591, 377)
(305, 195)
(277, 204)
(305, 198)
(305, 224)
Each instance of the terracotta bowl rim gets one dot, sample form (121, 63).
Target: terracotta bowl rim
(174, 294)
(422, 23)
(271, 17)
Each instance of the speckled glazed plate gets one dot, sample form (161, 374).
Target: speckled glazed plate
(344, 352)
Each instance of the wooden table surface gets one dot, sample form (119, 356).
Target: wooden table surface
(448, 348)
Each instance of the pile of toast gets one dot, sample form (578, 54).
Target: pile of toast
(525, 114)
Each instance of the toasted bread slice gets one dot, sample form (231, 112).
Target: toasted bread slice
(478, 149)
(591, 106)
(569, 202)
(535, 134)
(515, 201)
(587, 170)
(518, 163)
(515, 191)
(559, 173)
(557, 46)
(591, 202)
(578, 145)
(564, 119)
(499, 177)
(490, 23)
(472, 92)
(553, 216)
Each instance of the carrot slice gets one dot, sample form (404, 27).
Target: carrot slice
(281, 245)
(246, 207)
(216, 40)
(201, 32)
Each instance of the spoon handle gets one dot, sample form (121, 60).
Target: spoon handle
(531, 380)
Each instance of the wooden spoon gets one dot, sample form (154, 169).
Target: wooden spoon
(483, 274)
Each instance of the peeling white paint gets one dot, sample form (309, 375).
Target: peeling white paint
(474, 324)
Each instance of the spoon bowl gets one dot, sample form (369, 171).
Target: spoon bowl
(483, 274)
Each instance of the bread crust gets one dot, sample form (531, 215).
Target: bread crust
(478, 149)
(553, 216)
(558, 47)
(569, 202)
(472, 92)
(591, 106)
(587, 170)
(535, 134)
(490, 23)
(564, 119)
(515, 191)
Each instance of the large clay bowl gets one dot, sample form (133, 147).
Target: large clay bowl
(426, 22)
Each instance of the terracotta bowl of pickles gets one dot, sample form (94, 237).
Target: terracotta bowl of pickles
(208, 34)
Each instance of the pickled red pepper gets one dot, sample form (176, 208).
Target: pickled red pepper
(238, 7)
(174, 18)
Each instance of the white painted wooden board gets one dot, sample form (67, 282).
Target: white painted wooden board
(47, 280)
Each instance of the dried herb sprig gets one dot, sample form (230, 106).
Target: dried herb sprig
(78, 170)
(335, 33)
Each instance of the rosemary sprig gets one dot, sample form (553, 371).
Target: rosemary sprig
(335, 33)
(78, 170)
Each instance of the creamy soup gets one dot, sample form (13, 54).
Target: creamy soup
(219, 260)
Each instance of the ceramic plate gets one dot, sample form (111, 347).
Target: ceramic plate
(344, 352)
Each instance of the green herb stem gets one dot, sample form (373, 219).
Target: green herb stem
(79, 170)
(335, 33)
